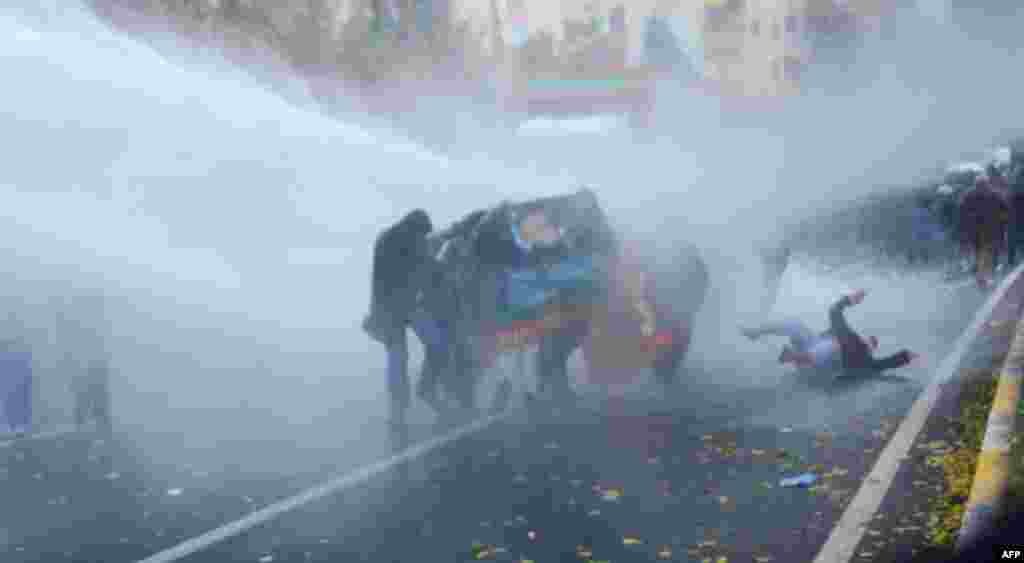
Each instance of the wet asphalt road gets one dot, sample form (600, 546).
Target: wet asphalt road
(683, 478)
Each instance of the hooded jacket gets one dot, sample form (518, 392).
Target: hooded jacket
(402, 266)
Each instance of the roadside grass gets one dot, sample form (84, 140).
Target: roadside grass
(958, 462)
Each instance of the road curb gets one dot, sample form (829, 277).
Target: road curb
(849, 530)
(993, 470)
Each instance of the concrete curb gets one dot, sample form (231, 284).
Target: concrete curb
(993, 470)
(850, 528)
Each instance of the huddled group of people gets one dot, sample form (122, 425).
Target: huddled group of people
(456, 288)
(978, 213)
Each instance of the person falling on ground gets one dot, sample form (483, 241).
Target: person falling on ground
(838, 347)
(983, 217)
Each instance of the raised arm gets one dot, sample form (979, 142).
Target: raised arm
(837, 319)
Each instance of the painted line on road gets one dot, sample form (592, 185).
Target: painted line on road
(847, 533)
(346, 481)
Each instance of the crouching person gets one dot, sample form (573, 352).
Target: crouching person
(401, 269)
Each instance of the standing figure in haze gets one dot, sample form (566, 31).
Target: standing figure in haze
(838, 347)
(984, 213)
(775, 261)
(402, 268)
(1015, 236)
(92, 397)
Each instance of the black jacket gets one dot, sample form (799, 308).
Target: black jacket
(855, 352)
(402, 267)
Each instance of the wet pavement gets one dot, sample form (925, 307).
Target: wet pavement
(691, 476)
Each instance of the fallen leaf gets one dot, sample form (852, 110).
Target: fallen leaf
(866, 554)
(174, 492)
(723, 500)
(708, 543)
(757, 452)
(584, 552)
(874, 532)
(266, 559)
(611, 495)
(631, 540)
(664, 552)
(763, 558)
(706, 437)
(722, 559)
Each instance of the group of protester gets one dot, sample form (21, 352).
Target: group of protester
(415, 286)
(980, 211)
(89, 383)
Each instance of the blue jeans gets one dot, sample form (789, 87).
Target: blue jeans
(397, 346)
(435, 336)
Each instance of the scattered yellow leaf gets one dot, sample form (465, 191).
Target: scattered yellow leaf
(611, 494)
(631, 540)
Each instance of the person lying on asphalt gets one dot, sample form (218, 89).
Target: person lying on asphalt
(838, 347)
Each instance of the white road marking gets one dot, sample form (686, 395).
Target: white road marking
(330, 487)
(847, 533)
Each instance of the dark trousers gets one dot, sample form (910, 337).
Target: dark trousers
(92, 404)
(1014, 243)
(397, 345)
(553, 357)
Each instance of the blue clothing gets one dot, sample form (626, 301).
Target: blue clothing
(822, 347)
(15, 389)
(925, 227)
